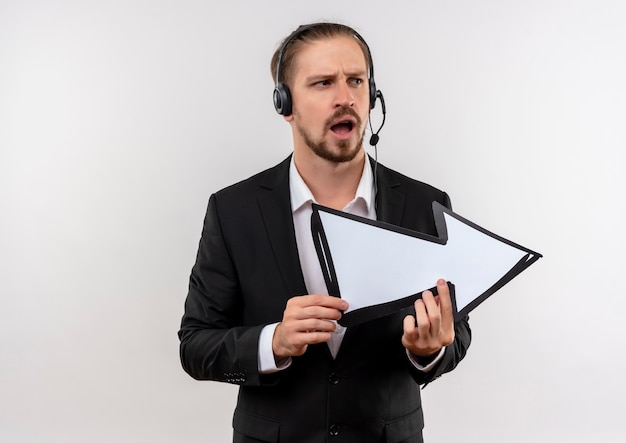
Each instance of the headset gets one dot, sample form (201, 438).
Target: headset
(282, 96)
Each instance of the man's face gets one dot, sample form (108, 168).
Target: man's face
(330, 98)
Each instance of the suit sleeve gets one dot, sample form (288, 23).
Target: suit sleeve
(213, 343)
(452, 356)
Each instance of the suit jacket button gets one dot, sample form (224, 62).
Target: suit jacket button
(333, 430)
(333, 378)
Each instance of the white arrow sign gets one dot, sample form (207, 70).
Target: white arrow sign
(380, 268)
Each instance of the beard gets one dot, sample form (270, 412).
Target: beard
(345, 152)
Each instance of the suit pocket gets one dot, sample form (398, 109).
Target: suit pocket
(259, 428)
(405, 427)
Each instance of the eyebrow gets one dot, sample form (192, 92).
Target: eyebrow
(322, 76)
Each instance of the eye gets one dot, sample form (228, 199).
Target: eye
(356, 81)
(321, 83)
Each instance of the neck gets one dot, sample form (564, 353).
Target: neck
(333, 184)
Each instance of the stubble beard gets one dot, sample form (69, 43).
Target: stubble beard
(346, 151)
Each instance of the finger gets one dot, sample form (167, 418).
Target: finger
(445, 303)
(317, 312)
(337, 303)
(432, 310)
(300, 308)
(409, 335)
(327, 301)
(314, 337)
(316, 325)
(447, 314)
(311, 312)
(299, 342)
(421, 316)
(408, 326)
(309, 325)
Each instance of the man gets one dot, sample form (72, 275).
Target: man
(258, 314)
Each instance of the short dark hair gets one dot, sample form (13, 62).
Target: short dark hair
(306, 34)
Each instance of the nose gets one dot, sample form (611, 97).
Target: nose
(344, 97)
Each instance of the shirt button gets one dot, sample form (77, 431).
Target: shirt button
(333, 430)
(333, 378)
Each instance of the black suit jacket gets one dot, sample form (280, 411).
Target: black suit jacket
(246, 269)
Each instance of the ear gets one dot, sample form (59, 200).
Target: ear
(288, 118)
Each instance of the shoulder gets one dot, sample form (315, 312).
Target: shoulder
(238, 204)
(270, 178)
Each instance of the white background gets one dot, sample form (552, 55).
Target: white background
(119, 118)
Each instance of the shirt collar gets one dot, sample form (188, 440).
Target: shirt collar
(301, 194)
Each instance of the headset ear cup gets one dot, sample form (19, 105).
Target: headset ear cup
(373, 96)
(282, 99)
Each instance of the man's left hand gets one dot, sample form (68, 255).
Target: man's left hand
(433, 325)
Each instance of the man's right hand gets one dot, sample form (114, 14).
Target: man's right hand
(306, 321)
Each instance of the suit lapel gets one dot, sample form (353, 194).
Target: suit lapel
(389, 200)
(275, 207)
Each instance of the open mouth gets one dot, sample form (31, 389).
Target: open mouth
(342, 127)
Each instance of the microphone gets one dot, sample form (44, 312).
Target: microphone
(375, 138)
(374, 142)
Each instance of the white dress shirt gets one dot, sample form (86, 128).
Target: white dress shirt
(302, 199)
